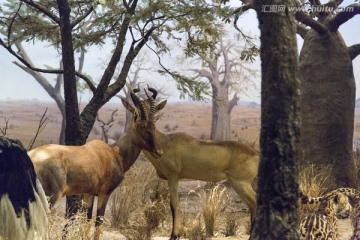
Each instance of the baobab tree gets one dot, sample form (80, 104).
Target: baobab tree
(327, 85)
(327, 90)
(227, 73)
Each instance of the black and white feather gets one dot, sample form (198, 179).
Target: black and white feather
(23, 205)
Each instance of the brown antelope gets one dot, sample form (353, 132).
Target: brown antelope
(94, 169)
(185, 157)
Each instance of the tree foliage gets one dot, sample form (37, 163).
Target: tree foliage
(129, 25)
(72, 26)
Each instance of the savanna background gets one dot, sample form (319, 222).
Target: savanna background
(139, 208)
(188, 45)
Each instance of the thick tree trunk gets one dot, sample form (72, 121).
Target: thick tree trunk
(277, 194)
(73, 134)
(220, 121)
(327, 106)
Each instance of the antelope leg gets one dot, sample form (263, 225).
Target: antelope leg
(101, 206)
(89, 200)
(173, 183)
(246, 193)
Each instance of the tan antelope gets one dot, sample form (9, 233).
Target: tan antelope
(105, 127)
(94, 169)
(185, 157)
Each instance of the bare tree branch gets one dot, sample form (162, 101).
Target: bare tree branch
(9, 30)
(42, 10)
(59, 79)
(134, 50)
(225, 54)
(4, 129)
(82, 17)
(115, 58)
(233, 102)
(304, 18)
(204, 73)
(51, 71)
(333, 3)
(346, 14)
(243, 8)
(42, 124)
(354, 51)
(301, 30)
(237, 12)
(315, 2)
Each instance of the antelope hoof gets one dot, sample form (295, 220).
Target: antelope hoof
(173, 237)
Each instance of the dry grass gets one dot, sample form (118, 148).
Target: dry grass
(213, 202)
(231, 224)
(77, 228)
(313, 182)
(140, 204)
(128, 196)
(195, 231)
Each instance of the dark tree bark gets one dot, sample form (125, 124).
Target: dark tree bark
(328, 100)
(73, 134)
(277, 194)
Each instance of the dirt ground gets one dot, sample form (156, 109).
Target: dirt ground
(23, 118)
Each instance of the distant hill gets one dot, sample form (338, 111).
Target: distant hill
(357, 104)
(249, 104)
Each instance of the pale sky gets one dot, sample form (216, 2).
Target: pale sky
(16, 84)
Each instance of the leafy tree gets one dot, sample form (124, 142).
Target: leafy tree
(130, 25)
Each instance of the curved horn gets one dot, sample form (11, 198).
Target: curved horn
(152, 105)
(112, 117)
(136, 90)
(138, 103)
(153, 90)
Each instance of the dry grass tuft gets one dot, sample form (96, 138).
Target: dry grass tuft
(313, 182)
(231, 224)
(77, 228)
(213, 202)
(140, 204)
(195, 231)
(138, 232)
(127, 198)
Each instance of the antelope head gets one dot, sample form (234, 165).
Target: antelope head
(143, 123)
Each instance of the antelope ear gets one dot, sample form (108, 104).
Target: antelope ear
(160, 106)
(127, 105)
